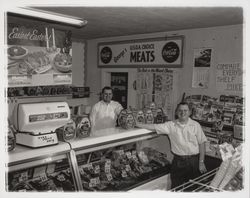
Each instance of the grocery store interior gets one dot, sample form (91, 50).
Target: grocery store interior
(60, 58)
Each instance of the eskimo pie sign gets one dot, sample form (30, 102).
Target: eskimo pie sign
(106, 55)
(170, 52)
(157, 52)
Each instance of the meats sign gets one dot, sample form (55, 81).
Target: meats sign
(159, 52)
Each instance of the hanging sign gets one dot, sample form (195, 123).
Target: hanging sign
(38, 55)
(159, 52)
(229, 77)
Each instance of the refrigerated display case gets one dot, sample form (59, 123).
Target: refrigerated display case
(108, 160)
(112, 160)
(43, 169)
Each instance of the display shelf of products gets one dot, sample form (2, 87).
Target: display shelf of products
(121, 168)
(106, 138)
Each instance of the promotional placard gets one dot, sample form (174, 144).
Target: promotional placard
(38, 55)
(229, 77)
(158, 52)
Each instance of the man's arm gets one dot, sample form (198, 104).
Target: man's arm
(202, 150)
(146, 126)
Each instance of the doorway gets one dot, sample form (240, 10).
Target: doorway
(119, 84)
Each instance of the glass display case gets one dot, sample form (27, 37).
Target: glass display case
(108, 160)
(115, 161)
(44, 169)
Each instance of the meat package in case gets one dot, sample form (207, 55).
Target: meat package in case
(120, 168)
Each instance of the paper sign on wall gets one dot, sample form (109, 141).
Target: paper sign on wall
(202, 62)
(167, 52)
(229, 77)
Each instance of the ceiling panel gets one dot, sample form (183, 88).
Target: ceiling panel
(121, 21)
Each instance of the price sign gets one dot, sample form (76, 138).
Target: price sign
(120, 152)
(81, 170)
(108, 161)
(124, 173)
(109, 177)
(128, 154)
(97, 169)
(107, 168)
(61, 177)
(135, 158)
(43, 178)
(127, 168)
(88, 166)
(23, 176)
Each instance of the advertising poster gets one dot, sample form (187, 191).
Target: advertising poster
(155, 85)
(229, 77)
(167, 52)
(38, 55)
(202, 63)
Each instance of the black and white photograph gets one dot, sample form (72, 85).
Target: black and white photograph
(115, 99)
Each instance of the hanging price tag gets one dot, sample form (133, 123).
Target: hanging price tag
(23, 176)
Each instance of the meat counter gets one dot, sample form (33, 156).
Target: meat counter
(108, 160)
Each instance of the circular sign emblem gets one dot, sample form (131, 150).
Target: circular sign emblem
(106, 55)
(170, 52)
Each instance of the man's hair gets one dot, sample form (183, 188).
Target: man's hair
(182, 103)
(106, 88)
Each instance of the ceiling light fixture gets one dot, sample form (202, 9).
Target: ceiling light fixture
(48, 16)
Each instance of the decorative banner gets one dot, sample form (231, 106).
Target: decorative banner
(167, 52)
(202, 62)
(229, 77)
(38, 56)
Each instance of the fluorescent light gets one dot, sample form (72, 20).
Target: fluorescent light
(49, 16)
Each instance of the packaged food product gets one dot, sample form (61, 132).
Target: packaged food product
(140, 118)
(67, 132)
(149, 117)
(126, 119)
(83, 126)
(11, 138)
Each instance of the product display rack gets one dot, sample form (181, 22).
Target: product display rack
(41, 167)
(199, 184)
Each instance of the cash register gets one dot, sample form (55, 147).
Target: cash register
(36, 122)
